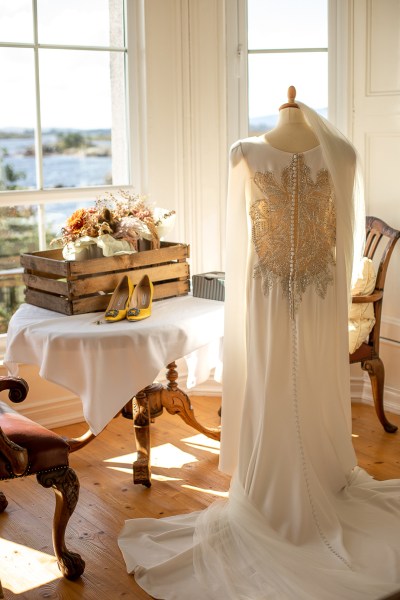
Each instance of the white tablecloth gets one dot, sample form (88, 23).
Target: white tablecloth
(107, 364)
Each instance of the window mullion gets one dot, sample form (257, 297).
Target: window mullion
(42, 226)
(38, 129)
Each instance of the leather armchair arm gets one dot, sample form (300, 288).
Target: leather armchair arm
(14, 454)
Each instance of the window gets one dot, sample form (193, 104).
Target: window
(287, 45)
(63, 121)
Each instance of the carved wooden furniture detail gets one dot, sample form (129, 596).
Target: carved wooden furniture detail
(380, 241)
(149, 404)
(27, 448)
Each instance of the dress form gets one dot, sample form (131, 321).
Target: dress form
(292, 132)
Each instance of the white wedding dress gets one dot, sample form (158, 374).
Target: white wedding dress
(302, 521)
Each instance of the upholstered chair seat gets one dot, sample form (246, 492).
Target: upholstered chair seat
(27, 448)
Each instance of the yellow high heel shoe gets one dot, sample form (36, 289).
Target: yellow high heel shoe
(141, 299)
(118, 305)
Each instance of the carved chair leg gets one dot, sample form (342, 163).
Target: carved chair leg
(376, 372)
(141, 423)
(66, 488)
(3, 504)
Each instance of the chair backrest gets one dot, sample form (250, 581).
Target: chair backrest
(379, 235)
(377, 230)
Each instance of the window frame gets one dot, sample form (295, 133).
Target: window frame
(339, 71)
(135, 106)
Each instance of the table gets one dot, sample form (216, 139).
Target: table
(109, 364)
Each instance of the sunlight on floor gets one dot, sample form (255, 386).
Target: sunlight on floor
(169, 456)
(127, 470)
(164, 478)
(21, 560)
(355, 435)
(206, 491)
(166, 456)
(202, 442)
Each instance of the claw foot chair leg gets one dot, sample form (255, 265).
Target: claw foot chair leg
(66, 487)
(376, 372)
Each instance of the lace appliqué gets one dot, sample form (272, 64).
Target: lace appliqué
(294, 231)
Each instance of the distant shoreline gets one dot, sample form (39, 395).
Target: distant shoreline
(86, 151)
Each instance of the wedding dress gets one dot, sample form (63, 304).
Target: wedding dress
(302, 520)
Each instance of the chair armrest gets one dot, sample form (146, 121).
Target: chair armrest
(16, 455)
(377, 295)
(18, 388)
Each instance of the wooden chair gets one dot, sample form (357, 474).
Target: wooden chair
(27, 448)
(378, 236)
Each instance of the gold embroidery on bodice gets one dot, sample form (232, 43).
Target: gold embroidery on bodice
(294, 230)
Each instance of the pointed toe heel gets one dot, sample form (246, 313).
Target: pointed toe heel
(120, 299)
(141, 300)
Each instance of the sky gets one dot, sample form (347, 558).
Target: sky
(75, 86)
(287, 24)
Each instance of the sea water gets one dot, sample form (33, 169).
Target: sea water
(59, 170)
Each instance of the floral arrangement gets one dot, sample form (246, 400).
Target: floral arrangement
(115, 223)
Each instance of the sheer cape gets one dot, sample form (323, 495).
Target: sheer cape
(302, 521)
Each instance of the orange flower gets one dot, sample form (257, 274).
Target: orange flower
(77, 220)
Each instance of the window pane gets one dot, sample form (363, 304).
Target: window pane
(17, 119)
(12, 294)
(18, 233)
(287, 24)
(269, 78)
(270, 75)
(16, 21)
(83, 118)
(57, 214)
(81, 22)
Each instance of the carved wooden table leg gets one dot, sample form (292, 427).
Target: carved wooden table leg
(143, 409)
(84, 439)
(146, 406)
(176, 402)
(79, 442)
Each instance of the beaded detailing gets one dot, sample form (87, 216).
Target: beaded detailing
(306, 477)
(294, 297)
(302, 210)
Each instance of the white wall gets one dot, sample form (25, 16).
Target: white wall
(47, 403)
(375, 131)
(186, 121)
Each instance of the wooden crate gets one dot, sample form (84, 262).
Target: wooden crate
(75, 287)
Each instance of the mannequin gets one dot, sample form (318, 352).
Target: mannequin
(292, 132)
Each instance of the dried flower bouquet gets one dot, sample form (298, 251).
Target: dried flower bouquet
(114, 224)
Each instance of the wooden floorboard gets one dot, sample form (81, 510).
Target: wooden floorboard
(185, 478)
